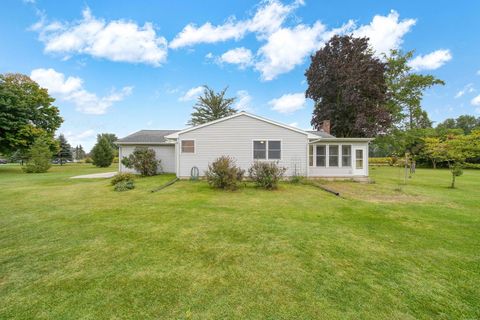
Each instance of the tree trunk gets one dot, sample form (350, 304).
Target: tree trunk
(453, 180)
(434, 163)
(406, 169)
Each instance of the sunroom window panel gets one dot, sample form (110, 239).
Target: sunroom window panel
(274, 150)
(346, 156)
(310, 155)
(260, 150)
(333, 156)
(321, 156)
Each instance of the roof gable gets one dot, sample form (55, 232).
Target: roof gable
(146, 137)
(242, 113)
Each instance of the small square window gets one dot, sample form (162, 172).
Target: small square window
(188, 146)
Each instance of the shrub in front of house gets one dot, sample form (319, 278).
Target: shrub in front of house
(266, 174)
(224, 174)
(143, 160)
(119, 177)
(124, 185)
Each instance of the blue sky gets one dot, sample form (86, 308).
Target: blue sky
(122, 66)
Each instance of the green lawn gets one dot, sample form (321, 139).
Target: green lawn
(76, 249)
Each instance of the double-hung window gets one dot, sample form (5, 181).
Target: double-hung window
(188, 146)
(321, 155)
(346, 156)
(267, 150)
(333, 156)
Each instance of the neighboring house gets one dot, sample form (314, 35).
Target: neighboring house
(248, 138)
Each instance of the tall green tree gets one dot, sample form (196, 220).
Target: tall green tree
(64, 150)
(102, 153)
(26, 112)
(346, 81)
(111, 138)
(211, 106)
(79, 153)
(405, 91)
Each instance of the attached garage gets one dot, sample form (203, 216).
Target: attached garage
(153, 139)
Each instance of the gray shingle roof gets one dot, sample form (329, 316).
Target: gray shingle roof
(147, 136)
(321, 134)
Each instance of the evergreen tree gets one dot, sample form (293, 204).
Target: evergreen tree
(65, 150)
(211, 106)
(39, 156)
(111, 138)
(79, 153)
(102, 153)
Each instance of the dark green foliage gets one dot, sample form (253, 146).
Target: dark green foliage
(26, 113)
(266, 174)
(466, 123)
(124, 185)
(64, 151)
(142, 160)
(119, 177)
(347, 83)
(102, 153)
(211, 106)
(111, 138)
(39, 156)
(224, 174)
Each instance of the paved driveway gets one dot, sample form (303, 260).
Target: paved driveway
(95, 175)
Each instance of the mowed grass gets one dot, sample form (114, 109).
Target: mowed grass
(75, 249)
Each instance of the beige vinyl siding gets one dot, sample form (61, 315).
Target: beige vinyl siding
(164, 153)
(234, 137)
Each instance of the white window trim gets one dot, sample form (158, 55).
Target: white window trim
(315, 155)
(194, 146)
(341, 156)
(266, 149)
(338, 156)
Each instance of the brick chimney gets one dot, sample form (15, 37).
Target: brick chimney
(325, 126)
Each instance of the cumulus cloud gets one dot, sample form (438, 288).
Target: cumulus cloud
(476, 101)
(288, 103)
(243, 101)
(385, 32)
(240, 56)
(431, 61)
(192, 94)
(467, 89)
(269, 17)
(71, 89)
(116, 40)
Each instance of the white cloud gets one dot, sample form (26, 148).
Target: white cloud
(116, 40)
(478, 73)
(85, 138)
(287, 48)
(431, 61)
(71, 89)
(86, 134)
(293, 124)
(385, 32)
(241, 56)
(476, 101)
(269, 17)
(243, 101)
(467, 89)
(288, 103)
(192, 94)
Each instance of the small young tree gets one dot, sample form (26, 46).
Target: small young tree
(142, 160)
(457, 149)
(64, 151)
(39, 156)
(102, 153)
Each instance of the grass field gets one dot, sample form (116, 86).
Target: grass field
(75, 249)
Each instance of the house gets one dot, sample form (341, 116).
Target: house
(248, 138)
